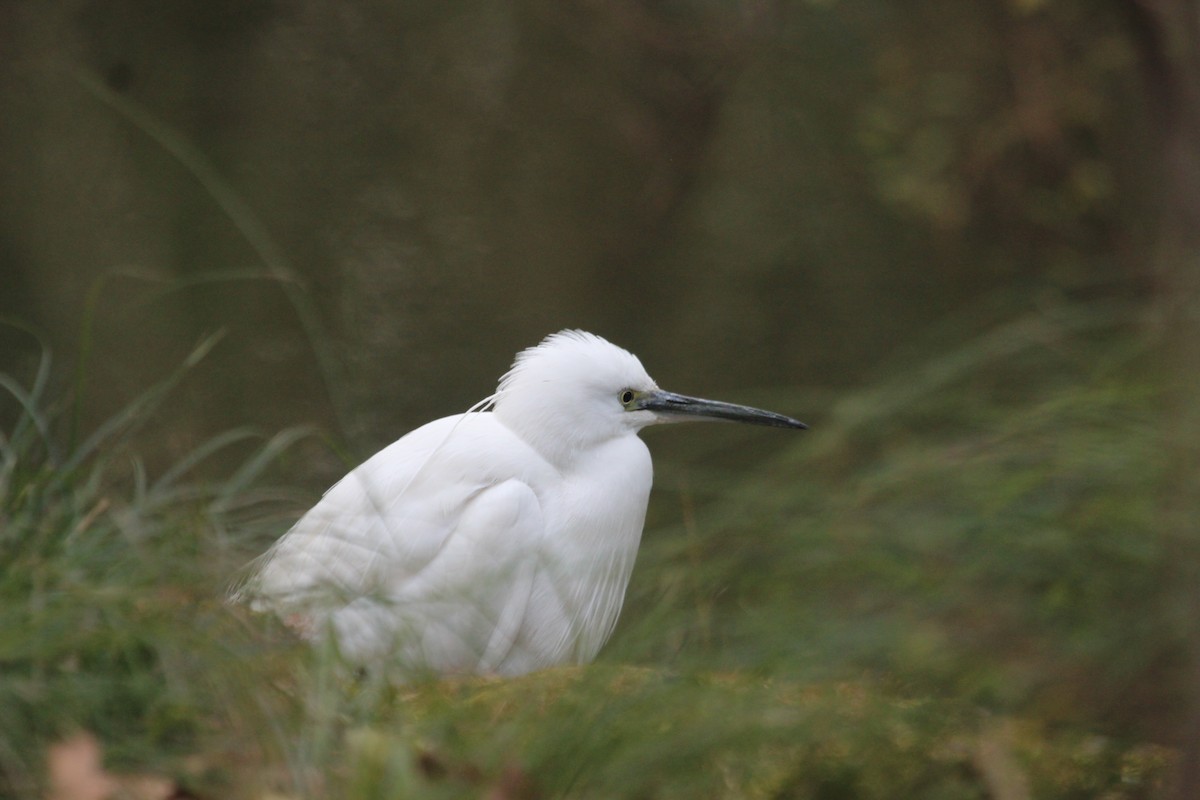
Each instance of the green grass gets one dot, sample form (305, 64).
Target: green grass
(111, 609)
(956, 585)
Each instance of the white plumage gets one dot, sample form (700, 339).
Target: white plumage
(496, 541)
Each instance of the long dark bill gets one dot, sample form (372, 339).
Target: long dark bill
(670, 404)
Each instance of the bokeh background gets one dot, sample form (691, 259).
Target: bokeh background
(746, 194)
(959, 239)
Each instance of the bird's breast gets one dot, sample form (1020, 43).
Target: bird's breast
(594, 526)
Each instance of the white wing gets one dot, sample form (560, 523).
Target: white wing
(427, 551)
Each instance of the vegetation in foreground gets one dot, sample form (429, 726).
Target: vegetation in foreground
(955, 588)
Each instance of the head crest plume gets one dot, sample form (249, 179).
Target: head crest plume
(570, 343)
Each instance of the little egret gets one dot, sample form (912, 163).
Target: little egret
(497, 541)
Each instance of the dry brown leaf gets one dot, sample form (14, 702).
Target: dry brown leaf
(75, 771)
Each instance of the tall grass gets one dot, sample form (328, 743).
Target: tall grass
(982, 523)
(111, 590)
(954, 588)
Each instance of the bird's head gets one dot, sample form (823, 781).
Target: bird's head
(575, 390)
(567, 392)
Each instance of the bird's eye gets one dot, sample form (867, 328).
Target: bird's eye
(627, 396)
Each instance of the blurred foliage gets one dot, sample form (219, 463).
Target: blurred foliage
(983, 524)
(625, 732)
(1008, 120)
(111, 583)
(954, 587)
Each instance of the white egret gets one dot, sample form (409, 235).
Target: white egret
(497, 541)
